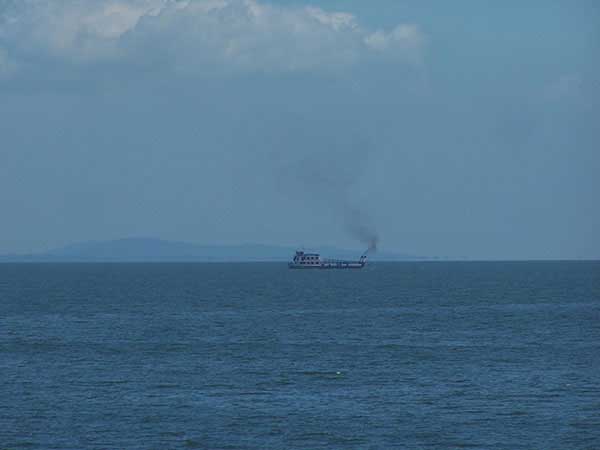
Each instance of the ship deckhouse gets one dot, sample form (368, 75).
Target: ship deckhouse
(307, 259)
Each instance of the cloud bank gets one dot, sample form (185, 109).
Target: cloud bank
(187, 35)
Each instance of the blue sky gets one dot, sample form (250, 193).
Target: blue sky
(457, 129)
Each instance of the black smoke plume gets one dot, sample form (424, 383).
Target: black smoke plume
(327, 172)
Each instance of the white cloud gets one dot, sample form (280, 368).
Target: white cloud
(405, 41)
(191, 35)
(338, 20)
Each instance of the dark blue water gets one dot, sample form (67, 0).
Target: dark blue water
(254, 356)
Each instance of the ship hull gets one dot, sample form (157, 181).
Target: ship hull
(338, 266)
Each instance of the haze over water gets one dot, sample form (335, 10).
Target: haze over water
(254, 356)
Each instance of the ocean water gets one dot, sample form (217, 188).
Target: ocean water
(255, 356)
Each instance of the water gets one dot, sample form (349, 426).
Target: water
(254, 356)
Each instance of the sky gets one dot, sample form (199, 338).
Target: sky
(466, 129)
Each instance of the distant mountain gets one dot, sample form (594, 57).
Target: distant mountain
(158, 250)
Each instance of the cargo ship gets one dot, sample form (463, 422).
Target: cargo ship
(304, 260)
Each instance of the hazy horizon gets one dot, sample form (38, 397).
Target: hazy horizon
(465, 130)
(153, 249)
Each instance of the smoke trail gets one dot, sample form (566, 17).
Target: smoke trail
(360, 226)
(328, 174)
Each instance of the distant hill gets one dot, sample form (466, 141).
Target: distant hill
(158, 250)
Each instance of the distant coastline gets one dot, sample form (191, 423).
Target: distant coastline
(159, 250)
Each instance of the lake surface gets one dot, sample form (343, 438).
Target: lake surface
(255, 356)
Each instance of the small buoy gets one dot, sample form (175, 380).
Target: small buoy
(338, 373)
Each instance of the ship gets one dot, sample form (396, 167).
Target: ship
(303, 260)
